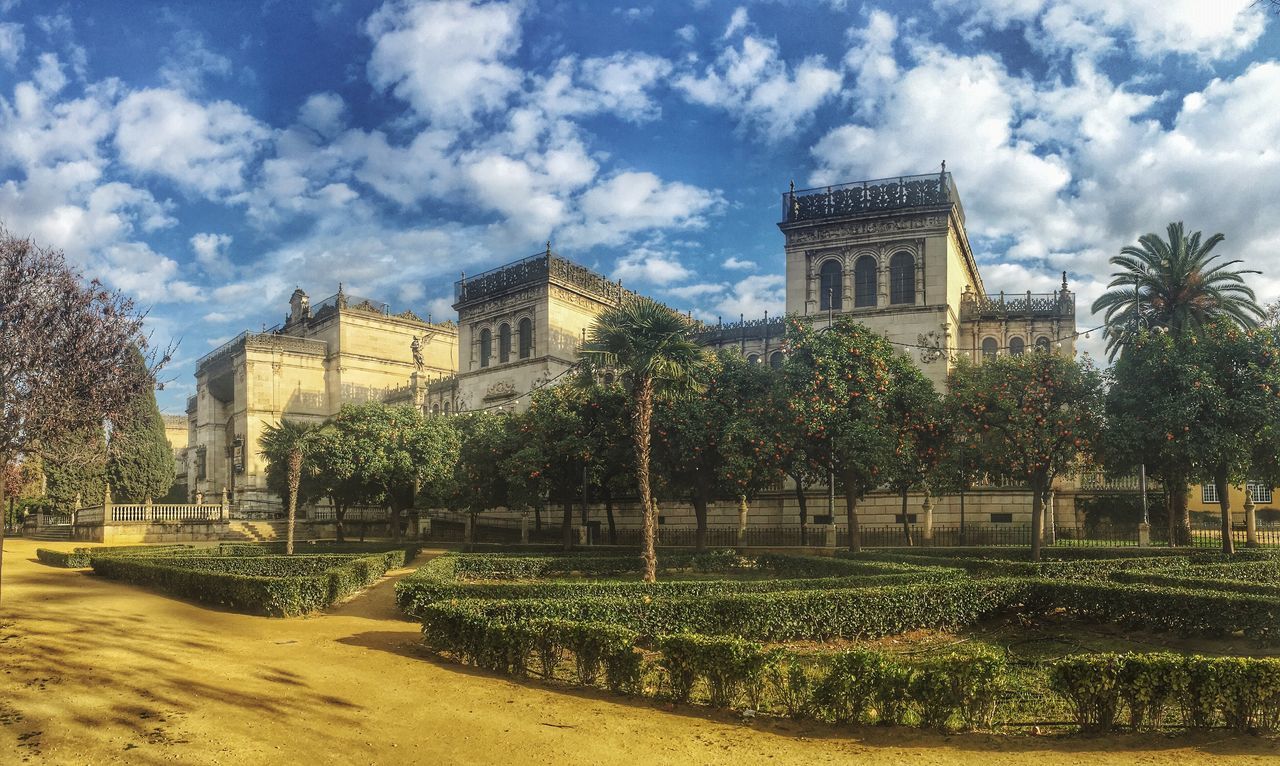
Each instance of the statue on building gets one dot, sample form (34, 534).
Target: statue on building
(416, 347)
(299, 306)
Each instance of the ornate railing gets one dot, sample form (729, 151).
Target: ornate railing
(1059, 304)
(271, 338)
(772, 327)
(901, 193)
(532, 270)
(166, 512)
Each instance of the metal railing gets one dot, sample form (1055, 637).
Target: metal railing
(1059, 304)
(901, 193)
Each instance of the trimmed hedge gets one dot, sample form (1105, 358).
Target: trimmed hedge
(791, 615)
(1196, 583)
(437, 581)
(224, 581)
(1082, 569)
(1241, 693)
(78, 558)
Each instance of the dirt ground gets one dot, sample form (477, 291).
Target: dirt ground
(96, 672)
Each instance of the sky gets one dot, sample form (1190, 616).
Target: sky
(208, 158)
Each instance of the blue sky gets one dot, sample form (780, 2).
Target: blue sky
(208, 158)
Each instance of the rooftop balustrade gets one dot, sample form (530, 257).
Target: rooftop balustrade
(876, 196)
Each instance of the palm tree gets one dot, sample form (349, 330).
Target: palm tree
(652, 348)
(287, 444)
(1176, 285)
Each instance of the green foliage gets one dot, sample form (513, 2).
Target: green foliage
(959, 685)
(731, 668)
(139, 459)
(1242, 693)
(75, 467)
(79, 558)
(273, 585)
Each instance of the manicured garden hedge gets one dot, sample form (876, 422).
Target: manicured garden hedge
(78, 558)
(1193, 581)
(438, 580)
(1082, 569)
(278, 586)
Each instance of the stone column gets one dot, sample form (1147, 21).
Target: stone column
(1050, 525)
(829, 535)
(919, 275)
(75, 510)
(108, 511)
(742, 521)
(927, 507)
(582, 534)
(846, 283)
(1250, 520)
(468, 530)
(524, 527)
(148, 512)
(224, 512)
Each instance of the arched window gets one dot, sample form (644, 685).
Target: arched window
(831, 291)
(754, 358)
(902, 278)
(775, 360)
(526, 338)
(1042, 343)
(864, 281)
(504, 342)
(608, 378)
(486, 346)
(1016, 346)
(435, 409)
(446, 407)
(989, 347)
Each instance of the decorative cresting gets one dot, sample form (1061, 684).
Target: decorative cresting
(717, 334)
(1059, 304)
(536, 269)
(901, 193)
(270, 339)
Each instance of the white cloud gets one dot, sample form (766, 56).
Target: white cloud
(737, 22)
(650, 266)
(204, 148)
(188, 61)
(211, 253)
(1205, 30)
(323, 113)
(737, 264)
(696, 290)
(632, 201)
(618, 84)
(445, 59)
(751, 297)
(757, 86)
(688, 33)
(11, 43)
(871, 56)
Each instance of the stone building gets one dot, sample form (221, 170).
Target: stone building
(894, 253)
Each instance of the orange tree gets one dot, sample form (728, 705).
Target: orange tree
(915, 417)
(1153, 400)
(718, 443)
(838, 383)
(480, 480)
(553, 455)
(611, 462)
(1032, 416)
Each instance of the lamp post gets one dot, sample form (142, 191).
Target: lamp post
(1144, 529)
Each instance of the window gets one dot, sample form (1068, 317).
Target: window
(831, 290)
(1208, 493)
(775, 360)
(897, 518)
(486, 346)
(1016, 346)
(435, 409)
(902, 278)
(1002, 518)
(989, 346)
(864, 281)
(1261, 492)
(526, 338)
(504, 343)
(1042, 343)
(824, 518)
(754, 359)
(446, 407)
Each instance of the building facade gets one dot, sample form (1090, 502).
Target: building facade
(894, 253)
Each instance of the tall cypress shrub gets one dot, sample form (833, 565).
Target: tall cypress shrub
(139, 458)
(76, 465)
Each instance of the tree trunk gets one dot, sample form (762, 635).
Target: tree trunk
(1037, 517)
(1224, 501)
(700, 514)
(963, 541)
(339, 514)
(851, 514)
(295, 479)
(802, 501)
(1182, 510)
(906, 523)
(566, 526)
(608, 514)
(537, 516)
(395, 522)
(641, 416)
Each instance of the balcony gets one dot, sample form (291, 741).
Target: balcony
(537, 269)
(869, 197)
(1061, 304)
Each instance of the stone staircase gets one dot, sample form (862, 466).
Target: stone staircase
(52, 534)
(264, 531)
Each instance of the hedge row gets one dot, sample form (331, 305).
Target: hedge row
(1049, 553)
(1193, 582)
(1264, 572)
(78, 558)
(792, 615)
(489, 566)
(1179, 610)
(437, 580)
(1081, 569)
(254, 593)
(1241, 693)
(275, 548)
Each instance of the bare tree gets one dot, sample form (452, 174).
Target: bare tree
(66, 351)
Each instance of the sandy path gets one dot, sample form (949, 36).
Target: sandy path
(95, 672)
